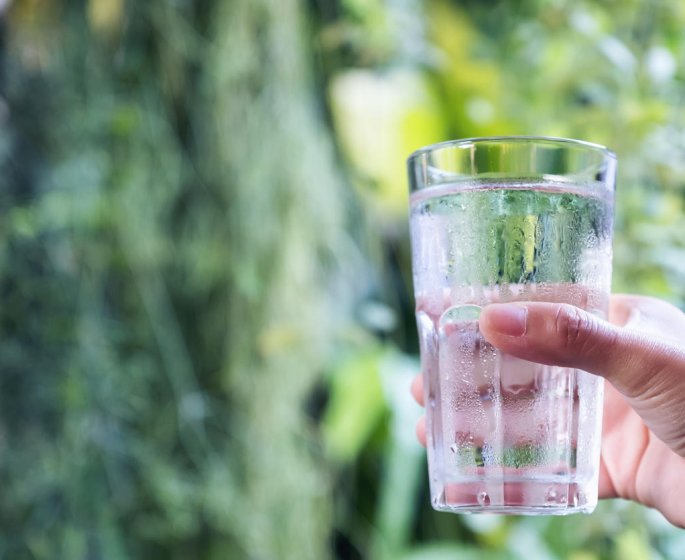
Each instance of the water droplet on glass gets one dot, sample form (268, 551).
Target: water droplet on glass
(551, 496)
(483, 499)
(487, 393)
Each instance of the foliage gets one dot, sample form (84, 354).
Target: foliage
(165, 166)
(207, 327)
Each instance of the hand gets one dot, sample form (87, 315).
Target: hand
(641, 353)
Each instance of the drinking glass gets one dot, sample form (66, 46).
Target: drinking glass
(500, 220)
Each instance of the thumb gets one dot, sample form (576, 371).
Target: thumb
(648, 371)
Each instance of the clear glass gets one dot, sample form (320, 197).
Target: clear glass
(498, 220)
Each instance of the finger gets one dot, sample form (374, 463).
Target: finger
(605, 486)
(421, 430)
(645, 369)
(560, 334)
(417, 389)
(648, 315)
(621, 310)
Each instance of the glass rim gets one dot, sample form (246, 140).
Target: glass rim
(514, 139)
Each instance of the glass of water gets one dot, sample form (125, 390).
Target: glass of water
(500, 220)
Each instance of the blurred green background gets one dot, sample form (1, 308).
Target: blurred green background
(207, 330)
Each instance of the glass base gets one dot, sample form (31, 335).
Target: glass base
(515, 510)
(527, 497)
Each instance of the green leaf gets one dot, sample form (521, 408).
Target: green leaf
(356, 405)
(631, 545)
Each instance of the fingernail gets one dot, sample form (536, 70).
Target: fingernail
(507, 318)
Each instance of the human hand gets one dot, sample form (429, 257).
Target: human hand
(641, 353)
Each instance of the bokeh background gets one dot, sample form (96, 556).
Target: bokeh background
(206, 321)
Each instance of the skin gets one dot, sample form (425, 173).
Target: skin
(640, 351)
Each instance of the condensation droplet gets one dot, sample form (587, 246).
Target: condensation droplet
(483, 499)
(551, 496)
